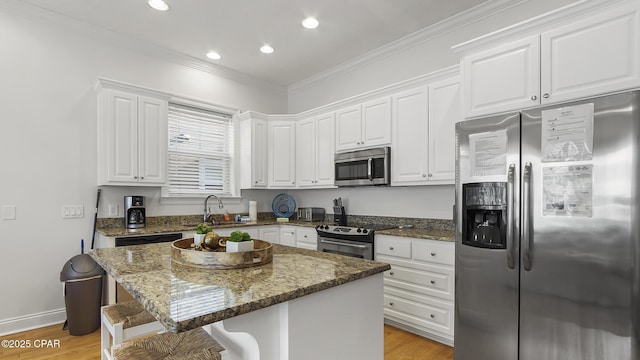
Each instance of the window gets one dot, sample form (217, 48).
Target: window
(200, 152)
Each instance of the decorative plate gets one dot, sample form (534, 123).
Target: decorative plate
(283, 205)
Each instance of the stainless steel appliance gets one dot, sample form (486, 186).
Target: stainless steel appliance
(121, 294)
(547, 253)
(134, 212)
(363, 167)
(346, 240)
(310, 214)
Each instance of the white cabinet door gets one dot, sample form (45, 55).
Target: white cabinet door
(444, 112)
(306, 152)
(288, 235)
(376, 122)
(132, 139)
(315, 151)
(348, 128)
(307, 238)
(409, 164)
(282, 151)
(501, 79)
(122, 137)
(325, 149)
(152, 140)
(590, 57)
(253, 151)
(270, 234)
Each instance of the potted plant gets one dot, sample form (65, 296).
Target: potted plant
(239, 241)
(201, 232)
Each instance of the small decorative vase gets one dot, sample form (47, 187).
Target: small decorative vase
(197, 238)
(241, 246)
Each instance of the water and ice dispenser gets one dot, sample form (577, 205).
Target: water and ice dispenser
(484, 215)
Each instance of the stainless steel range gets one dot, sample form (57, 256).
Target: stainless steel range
(346, 240)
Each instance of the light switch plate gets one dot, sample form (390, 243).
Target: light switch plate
(113, 210)
(8, 212)
(72, 211)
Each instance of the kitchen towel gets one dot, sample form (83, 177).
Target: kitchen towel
(253, 211)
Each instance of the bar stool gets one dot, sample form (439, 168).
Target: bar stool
(192, 344)
(122, 322)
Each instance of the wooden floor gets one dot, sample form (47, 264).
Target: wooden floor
(52, 342)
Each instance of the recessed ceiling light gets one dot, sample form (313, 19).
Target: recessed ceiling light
(160, 5)
(310, 23)
(266, 49)
(213, 55)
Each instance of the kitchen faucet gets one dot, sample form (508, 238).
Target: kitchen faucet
(207, 213)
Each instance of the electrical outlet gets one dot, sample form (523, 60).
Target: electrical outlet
(8, 212)
(72, 211)
(113, 210)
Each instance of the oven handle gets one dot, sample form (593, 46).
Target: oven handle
(342, 244)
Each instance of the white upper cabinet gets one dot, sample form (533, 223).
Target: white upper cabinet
(445, 109)
(315, 151)
(410, 151)
(282, 154)
(592, 56)
(503, 78)
(253, 151)
(132, 139)
(424, 133)
(364, 126)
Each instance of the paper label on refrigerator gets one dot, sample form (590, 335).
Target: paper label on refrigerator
(488, 153)
(567, 133)
(567, 190)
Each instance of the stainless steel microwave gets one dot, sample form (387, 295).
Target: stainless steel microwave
(363, 167)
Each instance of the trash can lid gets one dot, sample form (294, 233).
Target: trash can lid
(79, 267)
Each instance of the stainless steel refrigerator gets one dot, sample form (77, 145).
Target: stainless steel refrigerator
(547, 230)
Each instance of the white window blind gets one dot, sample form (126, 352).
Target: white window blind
(200, 151)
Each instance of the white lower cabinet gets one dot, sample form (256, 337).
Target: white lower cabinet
(307, 238)
(288, 235)
(419, 288)
(270, 234)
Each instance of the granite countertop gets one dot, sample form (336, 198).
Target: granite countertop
(168, 228)
(184, 298)
(431, 234)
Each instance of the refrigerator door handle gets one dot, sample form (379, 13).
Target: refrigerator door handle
(510, 214)
(526, 217)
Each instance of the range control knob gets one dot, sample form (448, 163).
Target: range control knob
(359, 230)
(364, 231)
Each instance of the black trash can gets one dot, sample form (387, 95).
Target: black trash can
(82, 278)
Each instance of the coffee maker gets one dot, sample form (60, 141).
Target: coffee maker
(134, 212)
(484, 215)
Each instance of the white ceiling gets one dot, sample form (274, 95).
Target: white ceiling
(237, 28)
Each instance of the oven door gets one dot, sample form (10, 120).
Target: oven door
(355, 249)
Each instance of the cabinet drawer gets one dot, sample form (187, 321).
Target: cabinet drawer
(394, 246)
(307, 235)
(434, 283)
(434, 251)
(434, 316)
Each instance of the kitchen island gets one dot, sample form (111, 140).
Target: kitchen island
(303, 305)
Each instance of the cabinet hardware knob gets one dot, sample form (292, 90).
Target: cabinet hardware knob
(534, 98)
(432, 282)
(391, 304)
(256, 182)
(424, 175)
(141, 177)
(432, 316)
(390, 247)
(546, 96)
(430, 175)
(433, 254)
(391, 273)
(135, 177)
(293, 182)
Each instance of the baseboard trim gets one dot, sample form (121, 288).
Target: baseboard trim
(32, 321)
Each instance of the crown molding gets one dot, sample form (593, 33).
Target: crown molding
(135, 45)
(475, 14)
(537, 23)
